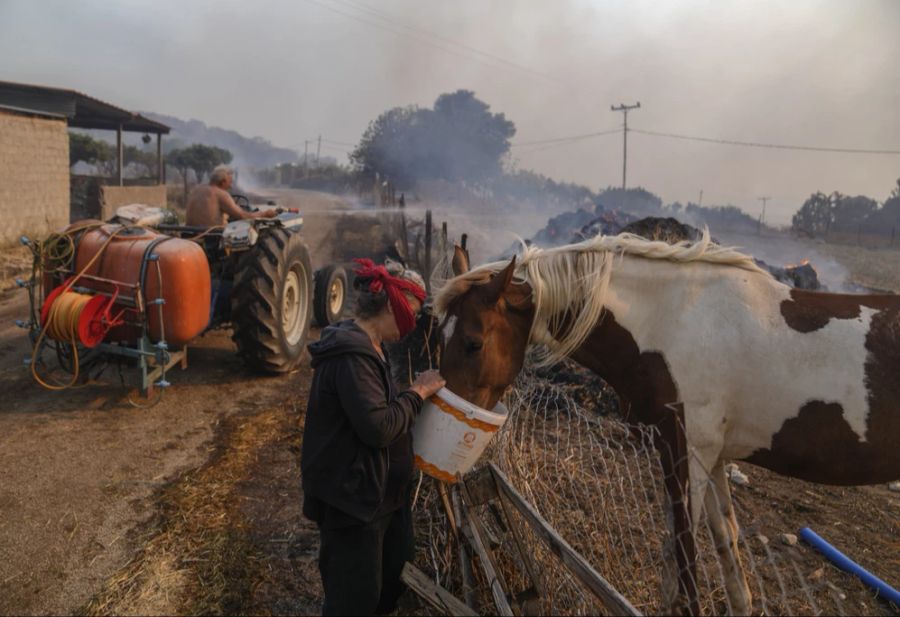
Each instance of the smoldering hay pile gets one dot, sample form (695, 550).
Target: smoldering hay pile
(571, 227)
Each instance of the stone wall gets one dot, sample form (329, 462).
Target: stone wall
(34, 175)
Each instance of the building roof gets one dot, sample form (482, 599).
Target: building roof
(81, 111)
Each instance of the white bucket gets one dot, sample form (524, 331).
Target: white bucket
(451, 433)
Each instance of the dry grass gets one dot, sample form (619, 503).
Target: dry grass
(197, 558)
(15, 261)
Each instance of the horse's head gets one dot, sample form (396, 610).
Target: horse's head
(485, 330)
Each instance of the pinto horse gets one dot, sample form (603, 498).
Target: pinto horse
(802, 383)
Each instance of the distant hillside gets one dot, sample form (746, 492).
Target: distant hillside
(248, 151)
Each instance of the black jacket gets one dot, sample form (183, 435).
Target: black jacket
(357, 451)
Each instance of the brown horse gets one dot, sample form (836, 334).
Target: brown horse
(802, 383)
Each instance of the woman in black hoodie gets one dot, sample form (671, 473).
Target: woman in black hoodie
(357, 460)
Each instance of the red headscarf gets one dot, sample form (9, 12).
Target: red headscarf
(394, 287)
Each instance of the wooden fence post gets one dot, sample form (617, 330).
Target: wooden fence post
(404, 234)
(427, 265)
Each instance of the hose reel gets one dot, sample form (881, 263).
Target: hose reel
(69, 316)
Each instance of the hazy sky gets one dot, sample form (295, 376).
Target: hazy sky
(789, 72)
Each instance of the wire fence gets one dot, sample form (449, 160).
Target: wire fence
(598, 481)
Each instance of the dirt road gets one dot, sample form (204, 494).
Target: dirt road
(90, 486)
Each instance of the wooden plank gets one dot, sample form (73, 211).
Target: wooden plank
(525, 556)
(465, 560)
(575, 563)
(434, 594)
(472, 533)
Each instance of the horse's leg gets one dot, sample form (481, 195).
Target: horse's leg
(724, 527)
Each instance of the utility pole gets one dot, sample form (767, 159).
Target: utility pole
(305, 158)
(700, 201)
(762, 215)
(625, 109)
(318, 149)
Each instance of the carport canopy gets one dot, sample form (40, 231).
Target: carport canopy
(83, 112)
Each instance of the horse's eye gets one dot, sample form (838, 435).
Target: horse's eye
(473, 346)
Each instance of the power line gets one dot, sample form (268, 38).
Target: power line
(324, 140)
(335, 148)
(418, 38)
(571, 138)
(559, 144)
(339, 143)
(750, 144)
(549, 147)
(361, 6)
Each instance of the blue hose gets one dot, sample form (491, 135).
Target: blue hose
(843, 562)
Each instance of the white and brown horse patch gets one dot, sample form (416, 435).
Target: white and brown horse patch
(819, 444)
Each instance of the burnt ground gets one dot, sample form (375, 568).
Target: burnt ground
(193, 505)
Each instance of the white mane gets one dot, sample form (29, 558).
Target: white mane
(570, 283)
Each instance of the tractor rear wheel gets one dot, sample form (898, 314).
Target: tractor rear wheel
(330, 296)
(271, 302)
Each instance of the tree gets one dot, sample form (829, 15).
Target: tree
(471, 141)
(815, 216)
(849, 213)
(387, 146)
(89, 150)
(144, 162)
(458, 140)
(199, 158)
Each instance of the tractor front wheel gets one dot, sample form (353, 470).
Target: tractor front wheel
(271, 302)
(330, 296)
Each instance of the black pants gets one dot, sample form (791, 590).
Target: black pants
(361, 564)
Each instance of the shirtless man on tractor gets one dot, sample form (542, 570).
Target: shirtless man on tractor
(212, 205)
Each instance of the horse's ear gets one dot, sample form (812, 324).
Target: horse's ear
(500, 283)
(460, 261)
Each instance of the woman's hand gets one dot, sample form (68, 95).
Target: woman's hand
(427, 383)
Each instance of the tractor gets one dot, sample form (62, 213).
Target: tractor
(140, 288)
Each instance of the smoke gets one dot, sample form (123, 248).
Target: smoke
(782, 251)
(292, 71)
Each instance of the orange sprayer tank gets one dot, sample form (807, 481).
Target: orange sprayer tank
(127, 258)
